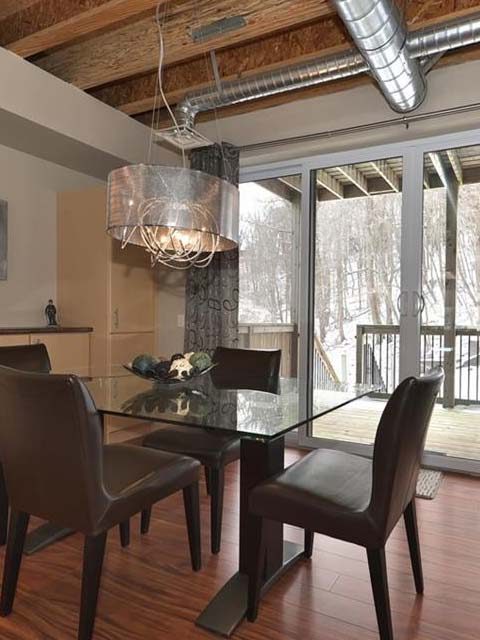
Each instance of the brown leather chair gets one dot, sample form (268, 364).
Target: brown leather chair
(28, 357)
(353, 498)
(236, 369)
(56, 468)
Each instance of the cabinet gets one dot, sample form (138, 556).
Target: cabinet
(103, 286)
(69, 351)
(14, 340)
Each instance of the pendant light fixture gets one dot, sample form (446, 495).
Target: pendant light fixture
(182, 217)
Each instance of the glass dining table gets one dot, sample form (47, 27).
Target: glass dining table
(261, 421)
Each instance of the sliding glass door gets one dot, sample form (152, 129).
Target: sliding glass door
(450, 331)
(364, 267)
(357, 284)
(269, 228)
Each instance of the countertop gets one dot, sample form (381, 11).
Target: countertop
(46, 329)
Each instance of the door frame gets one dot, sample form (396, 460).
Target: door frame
(412, 153)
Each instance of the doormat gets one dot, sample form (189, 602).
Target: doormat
(428, 483)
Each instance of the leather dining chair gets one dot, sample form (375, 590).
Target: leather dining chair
(355, 499)
(236, 369)
(28, 357)
(56, 468)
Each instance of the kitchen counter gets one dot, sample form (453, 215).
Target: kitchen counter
(7, 331)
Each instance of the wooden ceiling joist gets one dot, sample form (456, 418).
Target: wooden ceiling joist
(443, 171)
(330, 183)
(136, 95)
(355, 176)
(387, 173)
(456, 164)
(48, 24)
(133, 49)
(302, 42)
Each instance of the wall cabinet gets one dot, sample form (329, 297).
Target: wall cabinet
(103, 286)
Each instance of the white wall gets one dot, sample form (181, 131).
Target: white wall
(30, 185)
(51, 119)
(447, 87)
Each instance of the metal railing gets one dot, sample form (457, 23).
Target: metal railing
(378, 358)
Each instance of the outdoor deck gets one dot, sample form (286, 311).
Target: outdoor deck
(453, 432)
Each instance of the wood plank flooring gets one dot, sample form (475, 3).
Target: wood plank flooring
(149, 592)
(454, 432)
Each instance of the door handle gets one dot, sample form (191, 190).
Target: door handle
(116, 319)
(402, 303)
(418, 304)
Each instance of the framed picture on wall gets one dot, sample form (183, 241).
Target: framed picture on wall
(3, 239)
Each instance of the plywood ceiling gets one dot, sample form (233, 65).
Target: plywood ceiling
(110, 47)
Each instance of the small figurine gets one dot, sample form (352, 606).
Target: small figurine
(51, 313)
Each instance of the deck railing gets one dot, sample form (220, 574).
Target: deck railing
(285, 337)
(378, 357)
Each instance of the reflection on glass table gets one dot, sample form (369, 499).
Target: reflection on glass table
(200, 403)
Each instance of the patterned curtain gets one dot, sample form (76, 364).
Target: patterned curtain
(211, 309)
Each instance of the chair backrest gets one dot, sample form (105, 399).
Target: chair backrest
(257, 369)
(51, 448)
(399, 446)
(26, 357)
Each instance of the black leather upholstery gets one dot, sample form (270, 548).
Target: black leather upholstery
(57, 468)
(236, 369)
(350, 497)
(355, 499)
(257, 369)
(28, 357)
(52, 454)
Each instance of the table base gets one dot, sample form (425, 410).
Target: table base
(226, 611)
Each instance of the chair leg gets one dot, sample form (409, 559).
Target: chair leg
(308, 548)
(3, 510)
(93, 554)
(217, 485)
(378, 577)
(255, 577)
(191, 501)
(124, 528)
(410, 518)
(13, 558)
(207, 480)
(145, 520)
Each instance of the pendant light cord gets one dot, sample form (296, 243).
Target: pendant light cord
(159, 81)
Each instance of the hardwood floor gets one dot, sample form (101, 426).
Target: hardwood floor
(149, 591)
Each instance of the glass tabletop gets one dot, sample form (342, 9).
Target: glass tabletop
(199, 403)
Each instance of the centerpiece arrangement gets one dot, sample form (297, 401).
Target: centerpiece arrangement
(179, 368)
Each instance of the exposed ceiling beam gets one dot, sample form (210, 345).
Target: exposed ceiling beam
(136, 95)
(133, 49)
(330, 183)
(456, 164)
(387, 173)
(294, 182)
(322, 37)
(355, 176)
(47, 24)
(279, 188)
(442, 170)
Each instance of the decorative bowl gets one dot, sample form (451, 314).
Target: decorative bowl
(165, 379)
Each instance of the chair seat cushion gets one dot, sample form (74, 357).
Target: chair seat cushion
(327, 491)
(210, 447)
(136, 478)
